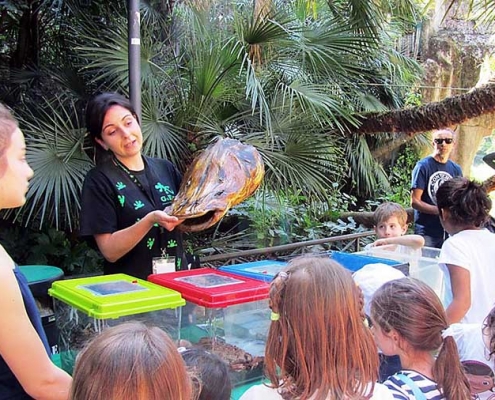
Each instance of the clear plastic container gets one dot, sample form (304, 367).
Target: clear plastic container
(263, 270)
(423, 264)
(84, 307)
(225, 313)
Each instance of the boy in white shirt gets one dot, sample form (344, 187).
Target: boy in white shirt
(391, 227)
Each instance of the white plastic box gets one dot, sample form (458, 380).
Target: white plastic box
(423, 265)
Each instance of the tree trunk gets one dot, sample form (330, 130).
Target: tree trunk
(442, 114)
(28, 40)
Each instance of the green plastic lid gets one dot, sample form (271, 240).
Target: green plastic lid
(114, 296)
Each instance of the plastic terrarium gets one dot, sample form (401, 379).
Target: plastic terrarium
(226, 314)
(423, 264)
(84, 307)
(263, 270)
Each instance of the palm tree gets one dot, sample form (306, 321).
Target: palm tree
(291, 82)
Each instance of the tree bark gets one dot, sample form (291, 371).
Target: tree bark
(442, 114)
(28, 42)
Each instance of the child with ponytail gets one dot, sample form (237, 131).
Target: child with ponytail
(318, 345)
(408, 319)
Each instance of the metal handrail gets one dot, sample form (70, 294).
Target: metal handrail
(353, 238)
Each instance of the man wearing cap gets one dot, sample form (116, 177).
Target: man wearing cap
(428, 174)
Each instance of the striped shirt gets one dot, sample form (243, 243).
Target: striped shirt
(401, 391)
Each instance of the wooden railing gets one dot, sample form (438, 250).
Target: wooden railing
(350, 242)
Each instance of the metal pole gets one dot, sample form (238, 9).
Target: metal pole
(135, 56)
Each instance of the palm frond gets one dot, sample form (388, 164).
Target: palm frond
(55, 152)
(366, 173)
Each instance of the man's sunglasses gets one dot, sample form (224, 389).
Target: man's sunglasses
(440, 141)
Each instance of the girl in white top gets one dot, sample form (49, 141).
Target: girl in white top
(318, 346)
(476, 343)
(467, 255)
(408, 320)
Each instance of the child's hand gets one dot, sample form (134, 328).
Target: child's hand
(381, 242)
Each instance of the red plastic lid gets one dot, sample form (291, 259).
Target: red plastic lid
(212, 288)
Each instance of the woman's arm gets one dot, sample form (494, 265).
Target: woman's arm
(117, 244)
(460, 280)
(20, 345)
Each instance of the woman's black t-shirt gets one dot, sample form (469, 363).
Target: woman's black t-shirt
(112, 201)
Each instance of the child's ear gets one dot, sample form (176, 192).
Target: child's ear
(374, 228)
(404, 229)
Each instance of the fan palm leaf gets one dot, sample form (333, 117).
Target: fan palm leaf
(55, 152)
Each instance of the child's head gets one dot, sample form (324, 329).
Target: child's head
(462, 202)
(212, 372)
(489, 332)
(131, 361)
(409, 318)
(7, 127)
(390, 220)
(14, 169)
(317, 336)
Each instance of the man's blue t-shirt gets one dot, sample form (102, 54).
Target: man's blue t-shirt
(428, 175)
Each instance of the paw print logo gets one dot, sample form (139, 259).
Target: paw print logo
(120, 185)
(163, 188)
(121, 200)
(172, 243)
(149, 243)
(138, 204)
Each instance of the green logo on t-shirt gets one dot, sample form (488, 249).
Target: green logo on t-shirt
(163, 188)
(121, 198)
(138, 204)
(120, 185)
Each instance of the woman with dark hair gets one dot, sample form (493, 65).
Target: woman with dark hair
(467, 256)
(124, 197)
(408, 320)
(26, 370)
(318, 345)
(131, 361)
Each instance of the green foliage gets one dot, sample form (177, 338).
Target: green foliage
(291, 83)
(50, 247)
(399, 176)
(281, 218)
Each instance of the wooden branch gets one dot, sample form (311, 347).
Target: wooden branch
(442, 114)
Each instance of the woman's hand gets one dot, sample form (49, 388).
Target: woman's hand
(169, 222)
